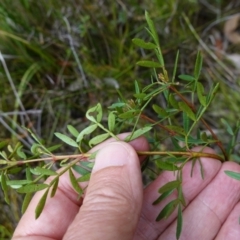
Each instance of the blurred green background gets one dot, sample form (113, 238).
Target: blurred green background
(60, 57)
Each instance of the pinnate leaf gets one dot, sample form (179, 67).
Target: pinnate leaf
(32, 188)
(138, 133)
(4, 179)
(72, 130)
(228, 127)
(98, 139)
(234, 175)
(187, 78)
(84, 178)
(44, 171)
(129, 114)
(95, 111)
(54, 187)
(168, 210)
(26, 201)
(169, 186)
(111, 121)
(74, 182)
(166, 165)
(162, 197)
(179, 222)
(86, 131)
(41, 204)
(160, 111)
(200, 93)
(66, 139)
(150, 64)
(145, 45)
(198, 65)
(185, 108)
(79, 169)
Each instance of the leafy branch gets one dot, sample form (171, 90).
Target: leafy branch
(180, 120)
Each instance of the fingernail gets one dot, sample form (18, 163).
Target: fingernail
(114, 154)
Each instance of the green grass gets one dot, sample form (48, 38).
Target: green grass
(60, 57)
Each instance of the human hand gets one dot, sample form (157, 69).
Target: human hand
(115, 205)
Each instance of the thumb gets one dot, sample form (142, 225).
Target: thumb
(113, 200)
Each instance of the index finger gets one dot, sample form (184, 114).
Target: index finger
(60, 210)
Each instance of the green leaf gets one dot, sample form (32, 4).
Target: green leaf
(18, 182)
(98, 139)
(145, 45)
(3, 144)
(160, 111)
(235, 158)
(166, 165)
(86, 131)
(193, 140)
(173, 101)
(84, 178)
(54, 147)
(179, 222)
(73, 130)
(96, 110)
(175, 66)
(162, 197)
(41, 204)
(204, 137)
(137, 133)
(111, 121)
(93, 155)
(80, 170)
(14, 170)
(129, 114)
(54, 187)
(168, 210)
(74, 182)
(99, 112)
(37, 149)
(234, 175)
(140, 95)
(117, 105)
(198, 65)
(200, 93)
(185, 108)
(176, 129)
(152, 28)
(20, 153)
(26, 201)
(186, 122)
(187, 77)
(32, 188)
(137, 89)
(66, 139)
(4, 179)
(4, 155)
(3, 161)
(228, 127)
(150, 64)
(181, 196)
(44, 171)
(169, 186)
(91, 111)
(201, 167)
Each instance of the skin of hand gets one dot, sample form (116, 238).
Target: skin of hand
(116, 206)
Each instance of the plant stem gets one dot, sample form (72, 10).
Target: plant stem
(172, 133)
(190, 154)
(218, 142)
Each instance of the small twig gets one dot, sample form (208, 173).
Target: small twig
(190, 154)
(218, 142)
(171, 132)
